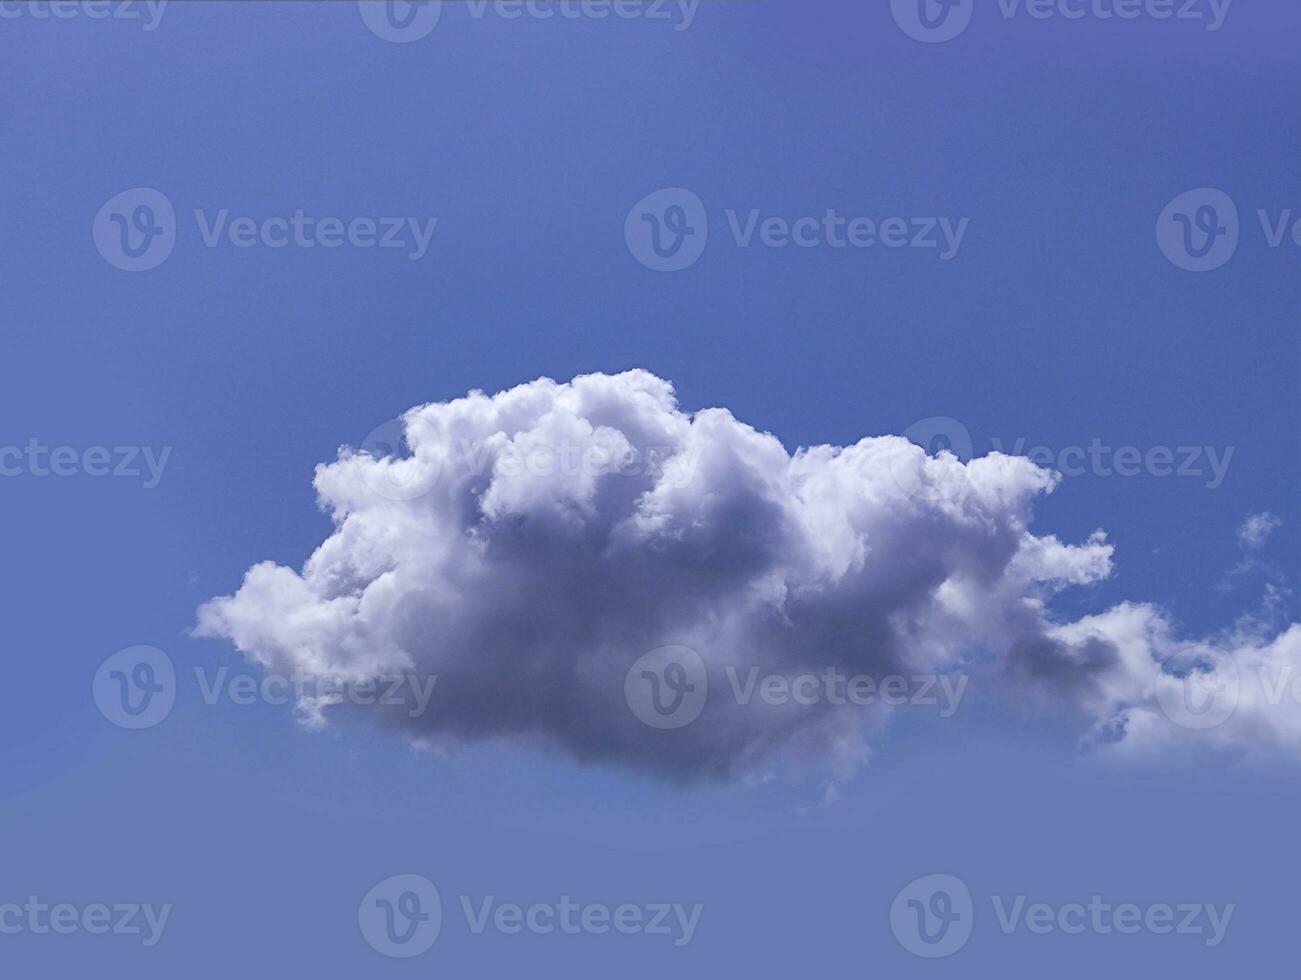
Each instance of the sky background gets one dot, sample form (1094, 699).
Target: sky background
(1059, 321)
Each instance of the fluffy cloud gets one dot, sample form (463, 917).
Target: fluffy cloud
(1239, 696)
(530, 548)
(1257, 528)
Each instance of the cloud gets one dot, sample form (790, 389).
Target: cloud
(1238, 696)
(541, 548)
(1253, 535)
(1256, 529)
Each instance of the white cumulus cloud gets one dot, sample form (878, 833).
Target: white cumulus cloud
(528, 547)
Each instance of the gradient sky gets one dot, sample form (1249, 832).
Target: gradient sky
(1059, 321)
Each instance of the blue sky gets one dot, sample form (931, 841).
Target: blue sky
(1058, 321)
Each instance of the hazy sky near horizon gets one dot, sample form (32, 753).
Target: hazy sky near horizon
(238, 237)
